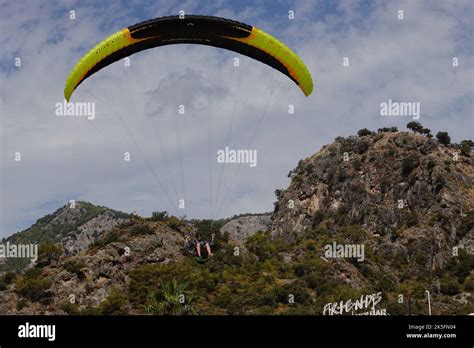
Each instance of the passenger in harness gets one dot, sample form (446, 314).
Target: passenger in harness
(199, 245)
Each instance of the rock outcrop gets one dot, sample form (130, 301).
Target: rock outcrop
(73, 226)
(87, 233)
(92, 275)
(239, 229)
(410, 198)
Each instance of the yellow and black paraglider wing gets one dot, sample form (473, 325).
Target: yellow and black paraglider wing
(205, 30)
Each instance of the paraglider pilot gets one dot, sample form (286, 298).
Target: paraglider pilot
(198, 244)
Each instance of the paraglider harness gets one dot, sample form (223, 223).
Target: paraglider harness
(193, 243)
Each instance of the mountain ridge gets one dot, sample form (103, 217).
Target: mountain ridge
(401, 204)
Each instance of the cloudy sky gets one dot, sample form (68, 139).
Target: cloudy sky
(173, 156)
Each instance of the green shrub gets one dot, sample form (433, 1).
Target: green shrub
(353, 233)
(205, 226)
(430, 164)
(449, 286)
(386, 282)
(311, 245)
(33, 288)
(48, 253)
(309, 168)
(34, 272)
(443, 138)
(469, 283)
(173, 299)
(341, 175)
(464, 265)
(362, 147)
(143, 280)
(174, 223)
(278, 193)
(411, 219)
(318, 217)
(141, 230)
(357, 164)
(466, 225)
(22, 303)
(387, 130)
(260, 245)
(9, 277)
(399, 259)
(395, 308)
(114, 303)
(311, 263)
(342, 214)
(223, 296)
(409, 163)
(439, 183)
(421, 258)
(298, 181)
(76, 267)
(363, 132)
(6, 280)
(466, 147)
(296, 290)
(159, 216)
(111, 237)
(69, 308)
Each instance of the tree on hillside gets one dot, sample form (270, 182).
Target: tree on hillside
(443, 138)
(363, 132)
(466, 147)
(387, 130)
(414, 126)
(426, 131)
(159, 216)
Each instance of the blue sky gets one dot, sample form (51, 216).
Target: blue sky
(172, 158)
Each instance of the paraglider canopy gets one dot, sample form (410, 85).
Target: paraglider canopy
(192, 29)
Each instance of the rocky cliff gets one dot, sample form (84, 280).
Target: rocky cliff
(87, 278)
(240, 228)
(406, 198)
(382, 182)
(408, 193)
(74, 226)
